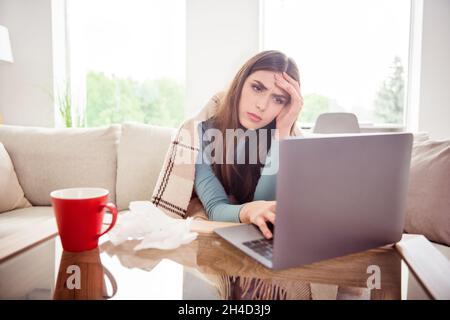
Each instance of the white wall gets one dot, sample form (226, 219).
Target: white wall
(26, 84)
(60, 58)
(221, 36)
(434, 114)
(429, 97)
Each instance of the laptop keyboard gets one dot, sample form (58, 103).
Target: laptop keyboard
(262, 246)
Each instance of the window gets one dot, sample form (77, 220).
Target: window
(132, 57)
(352, 54)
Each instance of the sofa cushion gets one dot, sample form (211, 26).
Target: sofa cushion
(46, 159)
(428, 202)
(140, 158)
(11, 193)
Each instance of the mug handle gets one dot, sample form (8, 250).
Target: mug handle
(113, 283)
(113, 210)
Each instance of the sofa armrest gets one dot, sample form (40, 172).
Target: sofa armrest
(429, 265)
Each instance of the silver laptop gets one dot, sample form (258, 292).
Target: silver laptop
(335, 195)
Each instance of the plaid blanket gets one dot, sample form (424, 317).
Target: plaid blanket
(174, 190)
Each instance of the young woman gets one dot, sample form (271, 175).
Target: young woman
(264, 95)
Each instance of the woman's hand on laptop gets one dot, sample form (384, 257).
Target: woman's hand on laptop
(259, 213)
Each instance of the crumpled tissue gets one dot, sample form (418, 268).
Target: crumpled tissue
(158, 230)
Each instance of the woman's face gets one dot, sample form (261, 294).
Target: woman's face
(261, 100)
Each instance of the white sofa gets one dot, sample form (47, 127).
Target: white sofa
(125, 159)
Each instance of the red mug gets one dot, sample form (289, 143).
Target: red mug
(79, 214)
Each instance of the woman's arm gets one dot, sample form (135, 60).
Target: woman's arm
(211, 192)
(214, 199)
(213, 196)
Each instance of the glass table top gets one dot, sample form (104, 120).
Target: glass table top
(207, 268)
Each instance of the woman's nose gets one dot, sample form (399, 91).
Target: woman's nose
(261, 104)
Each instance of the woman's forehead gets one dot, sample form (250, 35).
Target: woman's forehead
(266, 78)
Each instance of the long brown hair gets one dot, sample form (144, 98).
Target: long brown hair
(240, 180)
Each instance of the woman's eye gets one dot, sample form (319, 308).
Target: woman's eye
(279, 101)
(256, 88)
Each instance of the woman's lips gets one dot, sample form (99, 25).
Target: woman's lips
(253, 117)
